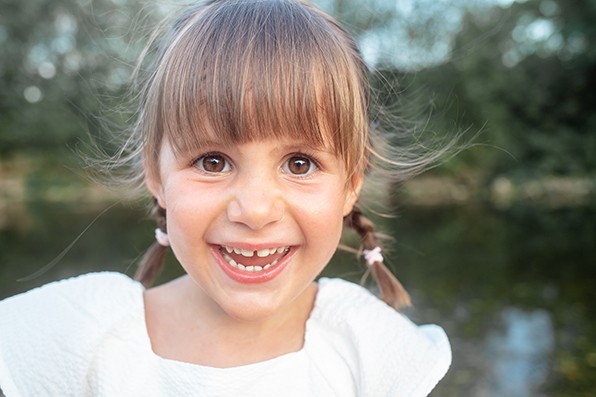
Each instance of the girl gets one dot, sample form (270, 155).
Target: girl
(253, 137)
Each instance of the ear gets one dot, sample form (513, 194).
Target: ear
(354, 188)
(154, 186)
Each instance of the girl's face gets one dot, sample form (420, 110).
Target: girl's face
(253, 224)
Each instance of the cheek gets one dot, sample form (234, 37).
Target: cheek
(322, 218)
(189, 212)
(325, 234)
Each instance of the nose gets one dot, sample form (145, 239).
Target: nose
(256, 202)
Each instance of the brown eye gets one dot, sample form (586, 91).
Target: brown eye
(213, 163)
(299, 165)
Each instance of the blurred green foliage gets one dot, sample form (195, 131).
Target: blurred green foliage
(524, 74)
(64, 62)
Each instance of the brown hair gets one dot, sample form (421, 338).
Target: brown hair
(254, 69)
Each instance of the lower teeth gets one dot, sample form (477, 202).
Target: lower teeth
(250, 269)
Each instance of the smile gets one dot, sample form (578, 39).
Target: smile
(253, 261)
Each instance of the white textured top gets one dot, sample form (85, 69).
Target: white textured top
(86, 336)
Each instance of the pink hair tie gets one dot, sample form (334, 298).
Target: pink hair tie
(373, 255)
(162, 238)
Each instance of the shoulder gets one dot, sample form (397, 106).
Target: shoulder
(49, 333)
(91, 296)
(86, 283)
(389, 354)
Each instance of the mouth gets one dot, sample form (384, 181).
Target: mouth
(253, 261)
(250, 266)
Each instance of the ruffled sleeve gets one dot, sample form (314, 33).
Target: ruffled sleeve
(48, 335)
(388, 354)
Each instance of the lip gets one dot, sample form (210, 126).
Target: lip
(247, 277)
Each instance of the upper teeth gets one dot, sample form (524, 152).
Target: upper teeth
(250, 253)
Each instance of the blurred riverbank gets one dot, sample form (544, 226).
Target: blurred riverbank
(502, 192)
(23, 179)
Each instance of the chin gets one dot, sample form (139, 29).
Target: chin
(251, 311)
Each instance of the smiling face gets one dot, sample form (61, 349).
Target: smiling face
(255, 134)
(254, 223)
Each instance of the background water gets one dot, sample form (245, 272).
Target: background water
(514, 289)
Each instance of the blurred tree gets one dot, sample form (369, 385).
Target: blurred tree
(65, 59)
(62, 60)
(525, 71)
(403, 34)
(528, 73)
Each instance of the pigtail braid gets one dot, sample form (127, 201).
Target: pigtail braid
(153, 259)
(392, 292)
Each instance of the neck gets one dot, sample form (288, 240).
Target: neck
(185, 325)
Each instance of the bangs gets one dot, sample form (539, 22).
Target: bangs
(240, 71)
